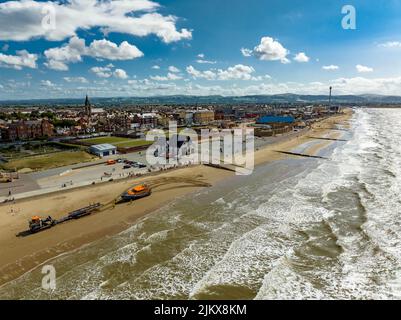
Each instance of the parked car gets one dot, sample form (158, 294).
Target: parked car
(141, 165)
(127, 166)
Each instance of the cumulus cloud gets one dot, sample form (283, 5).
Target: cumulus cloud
(237, 72)
(208, 74)
(331, 67)
(173, 69)
(23, 20)
(102, 72)
(47, 83)
(72, 52)
(246, 52)
(120, 74)
(363, 69)
(76, 79)
(301, 57)
(109, 50)
(201, 59)
(107, 72)
(269, 49)
(170, 77)
(156, 67)
(22, 59)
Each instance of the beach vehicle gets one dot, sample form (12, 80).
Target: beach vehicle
(111, 162)
(38, 224)
(137, 192)
(141, 165)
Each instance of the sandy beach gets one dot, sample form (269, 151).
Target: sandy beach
(21, 254)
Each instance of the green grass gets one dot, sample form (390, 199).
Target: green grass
(48, 161)
(101, 140)
(118, 142)
(133, 143)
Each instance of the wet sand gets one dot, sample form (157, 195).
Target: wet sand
(21, 254)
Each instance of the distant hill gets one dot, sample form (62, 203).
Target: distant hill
(216, 99)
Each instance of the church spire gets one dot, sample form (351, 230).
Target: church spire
(88, 108)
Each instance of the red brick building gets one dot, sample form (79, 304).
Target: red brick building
(26, 130)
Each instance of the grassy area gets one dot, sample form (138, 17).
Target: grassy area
(47, 161)
(101, 140)
(133, 143)
(14, 152)
(118, 142)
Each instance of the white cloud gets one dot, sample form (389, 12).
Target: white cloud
(22, 20)
(47, 83)
(237, 72)
(363, 69)
(173, 69)
(109, 50)
(156, 67)
(391, 44)
(76, 79)
(301, 57)
(102, 72)
(331, 67)
(268, 50)
(201, 61)
(208, 75)
(72, 52)
(22, 59)
(56, 65)
(120, 74)
(107, 72)
(246, 52)
(170, 77)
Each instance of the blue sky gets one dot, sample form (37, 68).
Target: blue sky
(227, 47)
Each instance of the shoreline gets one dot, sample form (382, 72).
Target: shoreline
(21, 255)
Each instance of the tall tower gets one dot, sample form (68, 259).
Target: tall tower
(331, 88)
(88, 107)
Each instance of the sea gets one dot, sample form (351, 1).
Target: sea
(295, 229)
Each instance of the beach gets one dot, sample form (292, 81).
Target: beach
(21, 254)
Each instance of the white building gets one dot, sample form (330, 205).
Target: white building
(103, 150)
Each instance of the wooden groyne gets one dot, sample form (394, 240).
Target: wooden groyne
(334, 129)
(329, 139)
(300, 154)
(219, 166)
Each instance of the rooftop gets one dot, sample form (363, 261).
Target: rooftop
(103, 147)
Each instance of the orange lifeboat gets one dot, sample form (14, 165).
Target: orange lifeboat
(137, 192)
